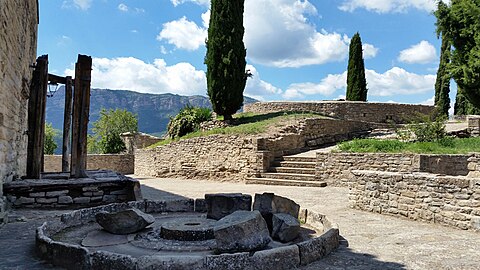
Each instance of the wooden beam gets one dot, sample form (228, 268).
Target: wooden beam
(67, 122)
(36, 118)
(81, 112)
(55, 79)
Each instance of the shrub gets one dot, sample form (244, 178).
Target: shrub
(187, 120)
(428, 130)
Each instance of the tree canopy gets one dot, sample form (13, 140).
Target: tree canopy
(225, 59)
(108, 128)
(49, 145)
(356, 82)
(442, 84)
(460, 24)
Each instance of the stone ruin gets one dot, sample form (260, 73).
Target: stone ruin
(221, 231)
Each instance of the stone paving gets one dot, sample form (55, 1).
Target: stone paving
(374, 241)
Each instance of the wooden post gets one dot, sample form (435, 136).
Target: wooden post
(67, 122)
(36, 118)
(81, 111)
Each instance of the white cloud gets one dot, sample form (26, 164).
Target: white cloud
(198, 2)
(184, 34)
(420, 53)
(80, 4)
(395, 81)
(123, 7)
(388, 6)
(128, 73)
(369, 51)
(259, 89)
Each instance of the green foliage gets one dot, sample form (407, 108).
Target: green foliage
(460, 24)
(463, 106)
(93, 147)
(446, 145)
(442, 84)
(356, 82)
(108, 128)
(225, 59)
(187, 120)
(428, 129)
(49, 145)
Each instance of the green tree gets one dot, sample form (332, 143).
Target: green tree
(187, 120)
(356, 82)
(49, 145)
(442, 84)
(463, 106)
(109, 126)
(225, 59)
(460, 24)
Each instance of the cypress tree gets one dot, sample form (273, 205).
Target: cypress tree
(442, 84)
(463, 106)
(225, 59)
(356, 82)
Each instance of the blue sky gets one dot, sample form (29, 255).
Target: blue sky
(296, 49)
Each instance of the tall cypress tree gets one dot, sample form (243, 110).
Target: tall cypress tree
(463, 106)
(442, 84)
(356, 82)
(225, 59)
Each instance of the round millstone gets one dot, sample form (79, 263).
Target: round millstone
(188, 229)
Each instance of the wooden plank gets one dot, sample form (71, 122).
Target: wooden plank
(36, 118)
(67, 122)
(55, 79)
(81, 112)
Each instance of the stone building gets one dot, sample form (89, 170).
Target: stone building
(18, 45)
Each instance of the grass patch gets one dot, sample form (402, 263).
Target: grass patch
(443, 146)
(248, 124)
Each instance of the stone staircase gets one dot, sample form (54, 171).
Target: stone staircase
(290, 171)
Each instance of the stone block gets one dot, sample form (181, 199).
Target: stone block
(285, 227)
(181, 205)
(65, 200)
(56, 193)
(280, 258)
(317, 248)
(24, 200)
(103, 260)
(269, 204)
(81, 200)
(36, 194)
(241, 231)
(180, 262)
(223, 204)
(109, 198)
(124, 222)
(237, 261)
(155, 206)
(200, 206)
(46, 200)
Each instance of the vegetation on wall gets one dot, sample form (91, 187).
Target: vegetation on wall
(225, 59)
(187, 120)
(356, 82)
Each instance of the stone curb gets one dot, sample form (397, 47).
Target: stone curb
(77, 257)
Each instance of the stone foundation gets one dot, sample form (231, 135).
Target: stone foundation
(122, 163)
(447, 200)
(102, 187)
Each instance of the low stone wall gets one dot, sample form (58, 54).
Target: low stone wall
(351, 110)
(102, 187)
(138, 140)
(214, 157)
(334, 168)
(447, 200)
(122, 163)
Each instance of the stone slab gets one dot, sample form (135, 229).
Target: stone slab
(101, 238)
(223, 204)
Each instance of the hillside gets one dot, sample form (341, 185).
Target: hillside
(153, 110)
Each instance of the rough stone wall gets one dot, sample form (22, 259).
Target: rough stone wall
(359, 111)
(138, 141)
(122, 163)
(230, 158)
(18, 43)
(447, 200)
(473, 122)
(334, 168)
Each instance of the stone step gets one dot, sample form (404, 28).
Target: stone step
(283, 182)
(289, 176)
(296, 159)
(295, 170)
(294, 164)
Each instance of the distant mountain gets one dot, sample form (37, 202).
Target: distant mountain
(153, 110)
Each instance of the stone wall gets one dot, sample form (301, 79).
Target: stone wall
(122, 163)
(18, 43)
(334, 168)
(230, 158)
(238, 157)
(358, 111)
(447, 200)
(138, 140)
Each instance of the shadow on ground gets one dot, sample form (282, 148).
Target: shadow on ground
(157, 194)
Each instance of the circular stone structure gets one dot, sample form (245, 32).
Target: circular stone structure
(188, 229)
(180, 238)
